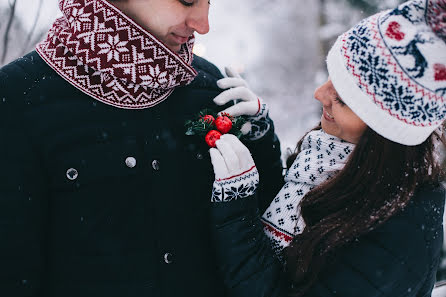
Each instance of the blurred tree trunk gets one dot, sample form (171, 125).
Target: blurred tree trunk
(27, 42)
(323, 22)
(12, 6)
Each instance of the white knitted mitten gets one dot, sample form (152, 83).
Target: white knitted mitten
(249, 104)
(236, 175)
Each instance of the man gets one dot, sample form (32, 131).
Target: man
(102, 193)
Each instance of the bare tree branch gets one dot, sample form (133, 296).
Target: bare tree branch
(8, 29)
(33, 28)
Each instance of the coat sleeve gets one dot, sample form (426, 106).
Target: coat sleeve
(22, 206)
(246, 260)
(369, 268)
(267, 156)
(399, 258)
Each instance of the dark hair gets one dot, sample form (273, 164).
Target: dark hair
(377, 182)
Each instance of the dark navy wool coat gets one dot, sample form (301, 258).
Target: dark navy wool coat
(97, 201)
(398, 259)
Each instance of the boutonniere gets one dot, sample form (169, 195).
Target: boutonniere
(211, 126)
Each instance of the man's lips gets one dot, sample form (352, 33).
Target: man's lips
(328, 116)
(180, 39)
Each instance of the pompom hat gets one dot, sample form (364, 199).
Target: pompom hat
(390, 69)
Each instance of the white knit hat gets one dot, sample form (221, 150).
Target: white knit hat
(390, 69)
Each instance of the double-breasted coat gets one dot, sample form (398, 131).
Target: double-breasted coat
(106, 202)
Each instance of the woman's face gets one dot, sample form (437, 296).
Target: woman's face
(337, 118)
(171, 21)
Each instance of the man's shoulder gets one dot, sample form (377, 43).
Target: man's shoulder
(208, 73)
(203, 65)
(24, 74)
(28, 77)
(29, 65)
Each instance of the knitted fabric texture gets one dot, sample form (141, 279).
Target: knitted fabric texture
(236, 187)
(390, 69)
(260, 123)
(321, 157)
(106, 55)
(436, 17)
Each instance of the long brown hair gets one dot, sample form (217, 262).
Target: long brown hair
(378, 181)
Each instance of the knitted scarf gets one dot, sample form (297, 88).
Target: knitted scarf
(321, 157)
(106, 55)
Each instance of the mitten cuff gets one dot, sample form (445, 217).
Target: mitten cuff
(236, 187)
(260, 123)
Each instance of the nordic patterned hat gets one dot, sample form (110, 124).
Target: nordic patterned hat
(390, 69)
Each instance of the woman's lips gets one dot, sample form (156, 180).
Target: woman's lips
(328, 116)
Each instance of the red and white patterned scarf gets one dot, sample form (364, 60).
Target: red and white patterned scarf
(106, 55)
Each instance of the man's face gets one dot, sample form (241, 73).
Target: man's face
(171, 21)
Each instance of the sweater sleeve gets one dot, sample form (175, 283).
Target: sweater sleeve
(246, 260)
(22, 204)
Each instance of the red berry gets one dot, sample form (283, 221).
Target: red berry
(212, 137)
(208, 118)
(223, 124)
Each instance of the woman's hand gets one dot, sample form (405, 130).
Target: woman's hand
(236, 175)
(250, 105)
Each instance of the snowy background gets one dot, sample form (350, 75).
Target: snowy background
(279, 46)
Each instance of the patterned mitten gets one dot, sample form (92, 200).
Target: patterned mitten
(236, 175)
(249, 105)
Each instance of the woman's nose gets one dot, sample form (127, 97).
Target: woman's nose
(198, 20)
(320, 94)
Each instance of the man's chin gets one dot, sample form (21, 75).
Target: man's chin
(175, 48)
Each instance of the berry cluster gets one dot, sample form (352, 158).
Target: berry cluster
(213, 126)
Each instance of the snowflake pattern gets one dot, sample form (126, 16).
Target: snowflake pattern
(235, 188)
(94, 37)
(398, 98)
(155, 78)
(373, 70)
(358, 39)
(96, 33)
(393, 69)
(79, 17)
(242, 191)
(113, 47)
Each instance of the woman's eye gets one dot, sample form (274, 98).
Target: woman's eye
(187, 3)
(338, 100)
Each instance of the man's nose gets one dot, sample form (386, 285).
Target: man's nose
(198, 20)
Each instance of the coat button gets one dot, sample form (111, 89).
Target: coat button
(199, 156)
(72, 174)
(167, 258)
(130, 162)
(156, 165)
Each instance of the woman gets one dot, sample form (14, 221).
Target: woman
(361, 210)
